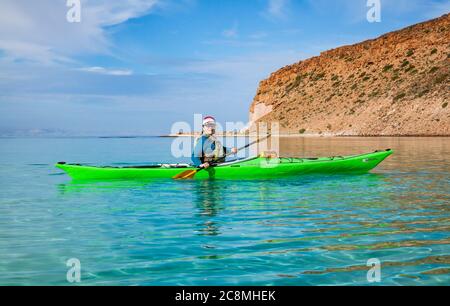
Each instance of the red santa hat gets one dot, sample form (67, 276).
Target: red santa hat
(209, 119)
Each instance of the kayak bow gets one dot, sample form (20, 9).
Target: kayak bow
(251, 168)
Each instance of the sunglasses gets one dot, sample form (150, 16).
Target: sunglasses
(210, 125)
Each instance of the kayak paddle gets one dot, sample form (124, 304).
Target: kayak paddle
(191, 173)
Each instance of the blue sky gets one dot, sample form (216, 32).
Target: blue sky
(136, 66)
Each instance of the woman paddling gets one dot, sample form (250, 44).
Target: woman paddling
(207, 149)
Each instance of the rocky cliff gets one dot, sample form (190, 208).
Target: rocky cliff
(397, 84)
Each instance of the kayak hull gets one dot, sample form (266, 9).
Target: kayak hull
(253, 168)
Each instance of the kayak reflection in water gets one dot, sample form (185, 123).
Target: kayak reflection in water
(207, 149)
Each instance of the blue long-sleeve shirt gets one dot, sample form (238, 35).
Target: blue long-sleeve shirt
(204, 144)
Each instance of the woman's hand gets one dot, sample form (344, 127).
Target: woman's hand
(205, 165)
(234, 150)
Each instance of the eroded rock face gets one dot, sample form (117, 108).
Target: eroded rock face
(397, 84)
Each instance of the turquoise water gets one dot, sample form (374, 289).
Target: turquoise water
(311, 230)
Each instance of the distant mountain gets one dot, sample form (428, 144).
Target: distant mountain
(397, 84)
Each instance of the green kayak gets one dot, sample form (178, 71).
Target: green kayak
(250, 168)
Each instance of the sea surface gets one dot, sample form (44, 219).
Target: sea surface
(306, 230)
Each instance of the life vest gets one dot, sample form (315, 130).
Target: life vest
(208, 154)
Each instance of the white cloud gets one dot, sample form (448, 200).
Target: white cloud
(251, 68)
(102, 70)
(232, 32)
(38, 30)
(15, 49)
(277, 8)
(258, 35)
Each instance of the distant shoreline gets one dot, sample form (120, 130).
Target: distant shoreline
(240, 136)
(305, 136)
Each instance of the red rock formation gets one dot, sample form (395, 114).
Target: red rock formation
(397, 84)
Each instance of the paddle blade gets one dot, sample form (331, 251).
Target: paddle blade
(185, 175)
